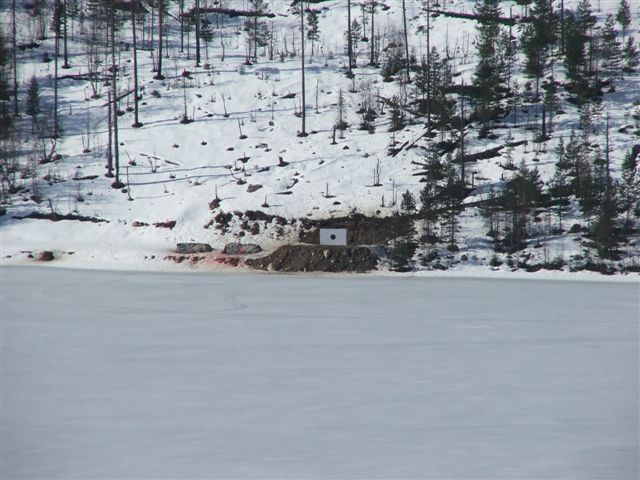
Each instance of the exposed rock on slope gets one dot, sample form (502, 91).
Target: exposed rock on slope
(317, 258)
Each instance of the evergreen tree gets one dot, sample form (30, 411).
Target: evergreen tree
(611, 51)
(623, 16)
(630, 185)
(551, 102)
(408, 202)
(341, 124)
(559, 185)
(578, 26)
(600, 201)
(575, 156)
(430, 85)
(5, 90)
(538, 35)
(508, 56)
(398, 119)
(520, 195)
(487, 77)
(356, 35)
(575, 50)
(257, 30)
(32, 107)
(313, 29)
(451, 199)
(430, 196)
(631, 55)
(440, 80)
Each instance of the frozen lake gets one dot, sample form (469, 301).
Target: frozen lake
(139, 375)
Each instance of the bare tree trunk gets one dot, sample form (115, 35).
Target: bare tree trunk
(372, 39)
(303, 133)
(65, 49)
(349, 39)
(136, 121)
(160, 3)
(16, 112)
(56, 131)
(406, 40)
(181, 5)
(109, 138)
(114, 90)
(429, 79)
(607, 154)
(462, 160)
(197, 33)
(255, 38)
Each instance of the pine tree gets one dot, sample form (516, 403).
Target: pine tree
(32, 107)
(575, 157)
(601, 202)
(398, 119)
(408, 202)
(430, 196)
(631, 55)
(579, 26)
(341, 123)
(630, 185)
(623, 16)
(508, 56)
(313, 29)
(559, 186)
(538, 35)
(451, 202)
(5, 90)
(356, 34)
(575, 50)
(440, 80)
(487, 76)
(611, 51)
(520, 195)
(257, 30)
(551, 102)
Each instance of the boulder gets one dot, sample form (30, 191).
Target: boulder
(46, 256)
(241, 248)
(188, 248)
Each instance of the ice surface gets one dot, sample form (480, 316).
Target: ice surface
(142, 375)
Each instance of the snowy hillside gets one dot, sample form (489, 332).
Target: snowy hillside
(224, 138)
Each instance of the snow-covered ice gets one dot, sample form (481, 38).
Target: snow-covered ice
(146, 375)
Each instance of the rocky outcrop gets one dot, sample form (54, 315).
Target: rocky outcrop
(46, 256)
(189, 248)
(241, 249)
(317, 258)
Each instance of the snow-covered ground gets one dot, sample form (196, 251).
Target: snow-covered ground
(142, 375)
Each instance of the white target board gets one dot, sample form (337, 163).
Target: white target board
(333, 236)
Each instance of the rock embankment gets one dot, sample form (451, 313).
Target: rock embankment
(316, 258)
